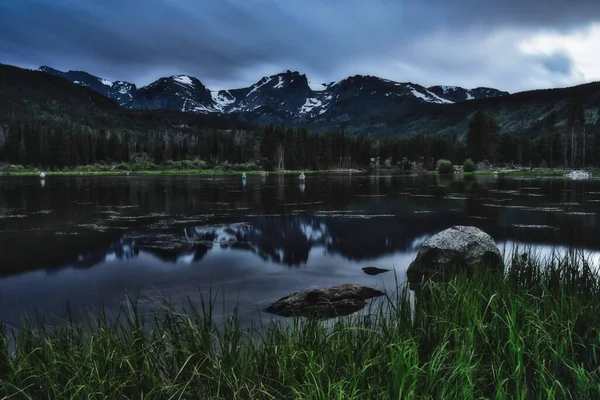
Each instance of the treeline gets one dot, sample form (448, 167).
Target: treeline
(573, 143)
(61, 144)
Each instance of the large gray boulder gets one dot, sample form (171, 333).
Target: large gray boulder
(456, 249)
(335, 301)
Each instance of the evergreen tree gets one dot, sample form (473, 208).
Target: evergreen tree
(476, 134)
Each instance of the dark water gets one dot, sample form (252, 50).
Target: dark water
(90, 240)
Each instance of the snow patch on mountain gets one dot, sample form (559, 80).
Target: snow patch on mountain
(222, 99)
(185, 80)
(419, 94)
(439, 99)
(311, 103)
(123, 87)
(106, 82)
(257, 86)
(203, 109)
(429, 97)
(447, 89)
(317, 87)
(279, 84)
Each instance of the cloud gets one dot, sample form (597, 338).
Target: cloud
(232, 43)
(559, 63)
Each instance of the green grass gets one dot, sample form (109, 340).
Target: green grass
(531, 334)
(186, 167)
(162, 172)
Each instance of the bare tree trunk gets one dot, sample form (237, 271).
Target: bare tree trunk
(552, 153)
(280, 156)
(565, 148)
(572, 148)
(583, 163)
(575, 152)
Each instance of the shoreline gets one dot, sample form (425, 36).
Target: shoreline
(171, 172)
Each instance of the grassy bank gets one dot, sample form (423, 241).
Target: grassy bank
(532, 334)
(171, 168)
(144, 172)
(167, 172)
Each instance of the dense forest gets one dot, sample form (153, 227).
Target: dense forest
(51, 123)
(58, 144)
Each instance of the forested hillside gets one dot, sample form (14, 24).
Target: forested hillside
(48, 121)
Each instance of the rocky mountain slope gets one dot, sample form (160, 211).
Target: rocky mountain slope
(287, 97)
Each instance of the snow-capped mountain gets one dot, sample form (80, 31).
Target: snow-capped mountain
(285, 97)
(456, 93)
(180, 92)
(122, 92)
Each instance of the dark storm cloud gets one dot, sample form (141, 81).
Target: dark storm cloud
(559, 63)
(233, 42)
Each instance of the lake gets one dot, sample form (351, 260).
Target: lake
(91, 240)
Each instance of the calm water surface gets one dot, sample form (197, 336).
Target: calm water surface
(91, 240)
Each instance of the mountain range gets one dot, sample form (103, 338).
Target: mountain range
(287, 97)
(360, 105)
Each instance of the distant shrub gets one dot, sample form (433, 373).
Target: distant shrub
(249, 166)
(12, 168)
(122, 167)
(187, 164)
(172, 165)
(444, 167)
(469, 166)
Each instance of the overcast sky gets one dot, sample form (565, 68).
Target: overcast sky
(512, 45)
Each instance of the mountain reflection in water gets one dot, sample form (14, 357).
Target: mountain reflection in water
(89, 238)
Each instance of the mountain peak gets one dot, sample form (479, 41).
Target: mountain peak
(289, 72)
(49, 70)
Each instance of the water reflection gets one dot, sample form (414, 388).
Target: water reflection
(88, 238)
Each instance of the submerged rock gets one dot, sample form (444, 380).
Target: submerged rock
(374, 270)
(456, 249)
(332, 302)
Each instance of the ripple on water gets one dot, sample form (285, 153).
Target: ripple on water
(579, 213)
(13, 216)
(480, 217)
(504, 191)
(526, 208)
(456, 197)
(532, 226)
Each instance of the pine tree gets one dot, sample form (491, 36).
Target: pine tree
(22, 152)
